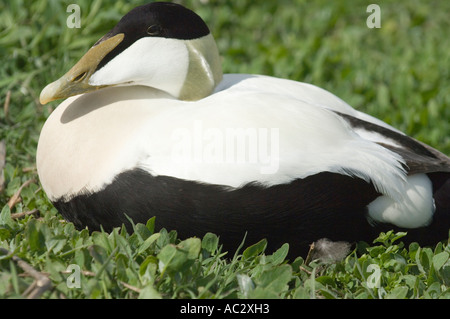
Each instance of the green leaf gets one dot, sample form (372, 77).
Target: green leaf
(142, 231)
(434, 290)
(280, 255)
(328, 294)
(172, 259)
(255, 250)
(147, 269)
(151, 225)
(163, 238)
(36, 239)
(191, 246)
(5, 217)
(326, 281)
(302, 293)
(263, 293)
(121, 262)
(55, 269)
(98, 253)
(397, 293)
(426, 258)
(149, 292)
(276, 278)
(148, 242)
(210, 242)
(439, 260)
(102, 239)
(56, 243)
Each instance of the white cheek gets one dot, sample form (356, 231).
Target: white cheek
(157, 62)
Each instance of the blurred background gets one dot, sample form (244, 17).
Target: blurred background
(399, 72)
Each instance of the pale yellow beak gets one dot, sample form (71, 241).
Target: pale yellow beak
(76, 81)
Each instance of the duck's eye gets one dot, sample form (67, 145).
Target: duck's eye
(154, 29)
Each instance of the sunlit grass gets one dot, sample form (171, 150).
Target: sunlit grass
(399, 73)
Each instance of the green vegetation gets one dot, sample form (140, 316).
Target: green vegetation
(399, 73)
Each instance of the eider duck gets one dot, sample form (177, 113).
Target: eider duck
(151, 127)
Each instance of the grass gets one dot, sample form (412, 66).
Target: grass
(399, 73)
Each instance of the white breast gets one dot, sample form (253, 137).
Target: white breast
(90, 138)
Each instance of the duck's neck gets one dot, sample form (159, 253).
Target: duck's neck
(204, 71)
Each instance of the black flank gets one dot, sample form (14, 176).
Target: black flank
(323, 205)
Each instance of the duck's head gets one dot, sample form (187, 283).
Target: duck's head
(161, 45)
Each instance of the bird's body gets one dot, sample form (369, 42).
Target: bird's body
(269, 157)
